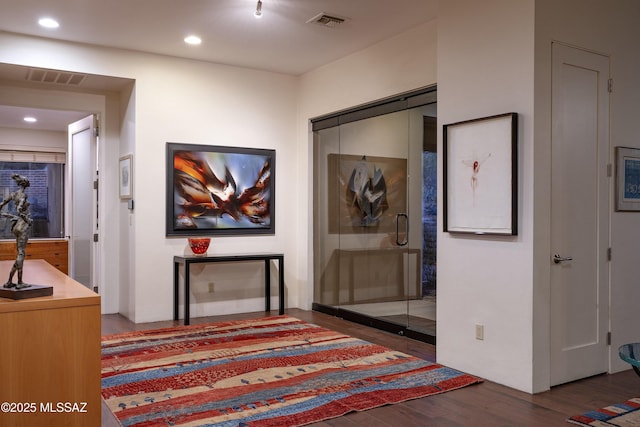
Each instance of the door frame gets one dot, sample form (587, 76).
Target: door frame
(102, 95)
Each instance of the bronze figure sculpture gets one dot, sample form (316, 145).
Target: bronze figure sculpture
(21, 223)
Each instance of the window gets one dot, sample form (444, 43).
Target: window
(45, 172)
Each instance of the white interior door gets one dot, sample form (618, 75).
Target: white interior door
(82, 201)
(579, 214)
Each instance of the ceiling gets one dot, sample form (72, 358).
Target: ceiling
(280, 41)
(49, 120)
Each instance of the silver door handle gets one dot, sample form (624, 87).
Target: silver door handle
(558, 259)
(406, 229)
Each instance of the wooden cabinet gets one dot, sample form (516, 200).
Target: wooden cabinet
(54, 251)
(50, 353)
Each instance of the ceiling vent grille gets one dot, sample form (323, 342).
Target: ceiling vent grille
(55, 77)
(326, 20)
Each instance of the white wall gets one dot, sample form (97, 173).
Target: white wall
(610, 28)
(204, 103)
(485, 67)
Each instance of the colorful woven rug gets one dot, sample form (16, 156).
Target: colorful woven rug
(625, 414)
(275, 371)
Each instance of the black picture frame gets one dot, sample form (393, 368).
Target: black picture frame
(480, 171)
(218, 190)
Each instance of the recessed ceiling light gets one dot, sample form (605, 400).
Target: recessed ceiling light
(29, 119)
(195, 40)
(48, 23)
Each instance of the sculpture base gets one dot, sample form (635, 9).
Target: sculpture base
(33, 291)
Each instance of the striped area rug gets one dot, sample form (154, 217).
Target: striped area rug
(274, 371)
(626, 414)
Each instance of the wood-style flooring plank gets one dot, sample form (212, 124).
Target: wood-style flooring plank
(481, 405)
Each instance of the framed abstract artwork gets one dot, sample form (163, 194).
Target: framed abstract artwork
(480, 166)
(627, 179)
(218, 190)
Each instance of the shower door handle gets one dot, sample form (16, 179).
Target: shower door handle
(406, 229)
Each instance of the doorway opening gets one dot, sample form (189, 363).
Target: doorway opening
(375, 172)
(83, 202)
(56, 106)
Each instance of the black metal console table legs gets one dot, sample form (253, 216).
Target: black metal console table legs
(188, 260)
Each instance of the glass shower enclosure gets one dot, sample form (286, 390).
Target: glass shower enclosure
(369, 255)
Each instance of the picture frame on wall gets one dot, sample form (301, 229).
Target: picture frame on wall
(218, 190)
(627, 179)
(126, 177)
(480, 168)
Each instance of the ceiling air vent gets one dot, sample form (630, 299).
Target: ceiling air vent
(326, 20)
(55, 77)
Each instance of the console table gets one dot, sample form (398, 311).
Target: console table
(187, 260)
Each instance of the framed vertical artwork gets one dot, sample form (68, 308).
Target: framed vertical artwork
(126, 177)
(480, 166)
(627, 179)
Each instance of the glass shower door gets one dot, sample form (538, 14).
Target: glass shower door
(373, 218)
(367, 242)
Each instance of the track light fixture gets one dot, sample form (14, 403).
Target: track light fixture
(259, 9)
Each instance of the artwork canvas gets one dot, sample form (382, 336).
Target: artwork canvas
(126, 177)
(217, 190)
(627, 179)
(365, 193)
(480, 175)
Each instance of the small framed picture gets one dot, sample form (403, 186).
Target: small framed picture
(627, 179)
(126, 177)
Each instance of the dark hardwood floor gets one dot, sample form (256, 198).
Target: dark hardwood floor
(486, 404)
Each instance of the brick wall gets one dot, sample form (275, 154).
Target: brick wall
(37, 193)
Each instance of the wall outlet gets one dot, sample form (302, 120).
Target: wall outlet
(480, 332)
(210, 287)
